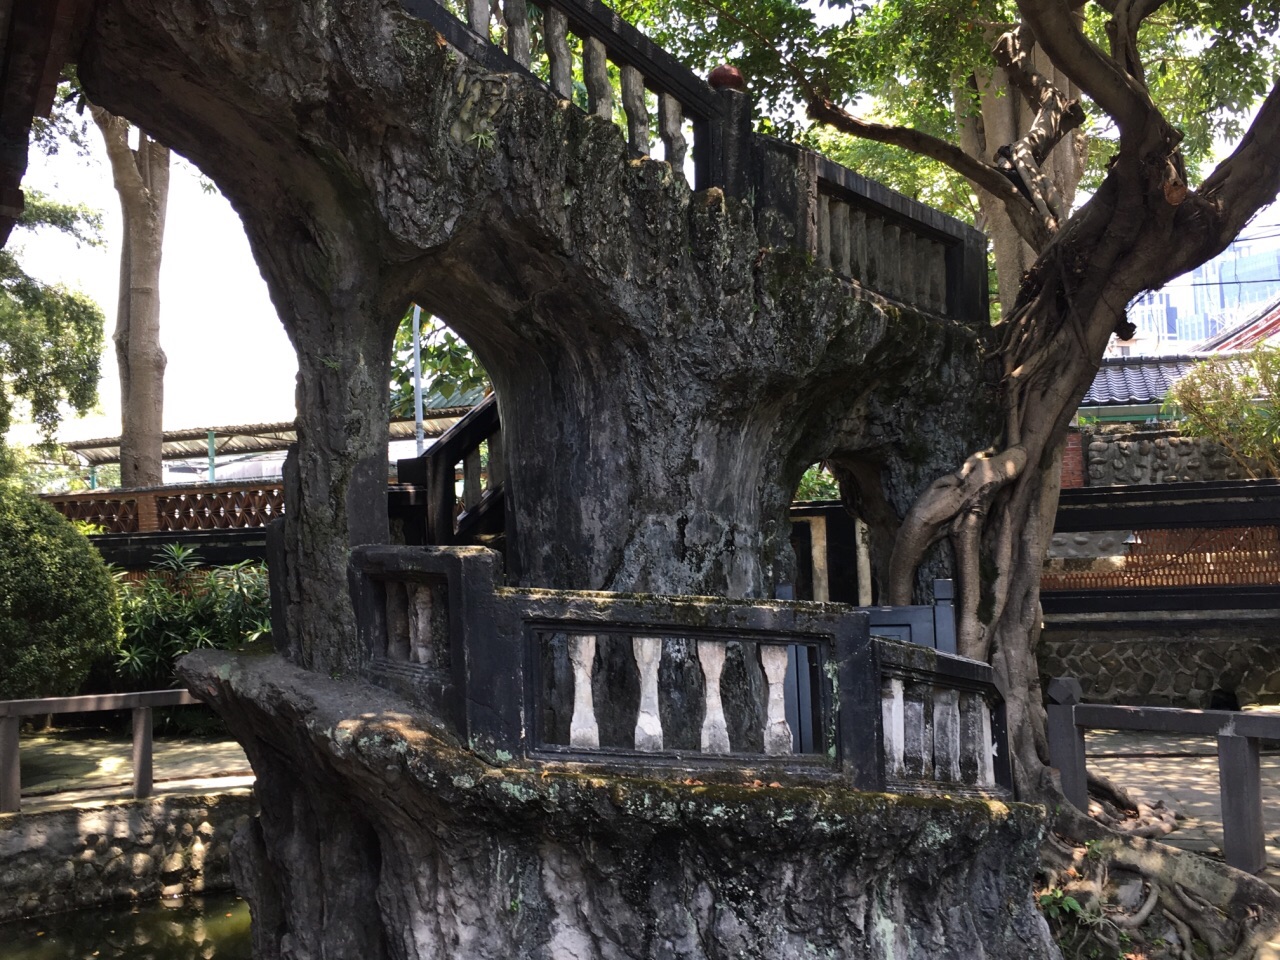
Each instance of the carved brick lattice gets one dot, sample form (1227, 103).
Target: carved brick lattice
(221, 509)
(113, 515)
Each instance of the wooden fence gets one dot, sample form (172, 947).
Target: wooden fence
(12, 712)
(1239, 770)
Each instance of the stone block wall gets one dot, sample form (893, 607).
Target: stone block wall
(1168, 664)
(1114, 458)
(85, 856)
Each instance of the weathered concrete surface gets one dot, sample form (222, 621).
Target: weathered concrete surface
(380, 838)
(94, 854)
(664, 374)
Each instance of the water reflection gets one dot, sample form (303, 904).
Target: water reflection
(198, 928)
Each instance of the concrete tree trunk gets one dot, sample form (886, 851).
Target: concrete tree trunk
(141, 179)
(663, 385)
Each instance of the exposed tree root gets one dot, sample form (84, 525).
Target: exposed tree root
(1109, 892)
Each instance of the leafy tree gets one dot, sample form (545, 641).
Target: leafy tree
(141, 178)
(50, 336)
(449, 367)
(817, 483)
(58, 606)
(1232, 400)
(362, 194)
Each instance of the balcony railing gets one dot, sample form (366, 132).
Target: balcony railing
(674, 683)
(882, 240)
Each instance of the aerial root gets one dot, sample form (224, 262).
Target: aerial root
(1130, 896)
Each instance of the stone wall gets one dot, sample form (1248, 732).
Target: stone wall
(135, 850)
(1115, 458)
(1172, 662)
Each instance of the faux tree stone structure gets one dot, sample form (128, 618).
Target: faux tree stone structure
(666, 366)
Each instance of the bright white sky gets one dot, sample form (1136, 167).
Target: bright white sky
(229, 361)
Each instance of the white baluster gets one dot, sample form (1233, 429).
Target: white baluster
(777, 732)
(420, 639)
(987, 754)
(671, 129)
(648, 654)
(946, 735)
(559, 59)
(583, 729)
(824, 231)
(893, 721)
(715, 732)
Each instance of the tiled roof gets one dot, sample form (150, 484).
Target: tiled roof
(1126, 380)
(1261, 325)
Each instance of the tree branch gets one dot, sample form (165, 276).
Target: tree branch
(1127, 17)
(969, 488)
(1240, 186)
(1105, 81)
(124, 166)
(1035, 229)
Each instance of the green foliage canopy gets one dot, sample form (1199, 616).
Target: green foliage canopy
(58, 606)
(913, 63)
(50, 336)
(450, 370)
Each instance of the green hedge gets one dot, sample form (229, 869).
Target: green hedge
(58, 605)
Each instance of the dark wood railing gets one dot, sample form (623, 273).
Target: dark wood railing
(463, 475)
(1239, 770)
(674, 682)
(12, 712)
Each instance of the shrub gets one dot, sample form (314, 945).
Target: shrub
(1234, 400)
(182, 607)
(58, 606)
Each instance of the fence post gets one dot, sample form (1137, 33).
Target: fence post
(142, 773)
(1066, 740)
(10, 768)
(944, 616)
(1240, 784)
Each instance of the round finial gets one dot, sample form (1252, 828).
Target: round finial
(725, 77)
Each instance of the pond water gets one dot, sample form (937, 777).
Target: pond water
(198, 928)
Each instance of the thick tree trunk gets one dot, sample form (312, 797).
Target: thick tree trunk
(335, 480)
(142, 182)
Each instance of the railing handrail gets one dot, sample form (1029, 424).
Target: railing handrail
(1102, 716)
(946, 273)
(95, 702)
(141, 703)
(435, 625)
(467, 434)
(1239, 771)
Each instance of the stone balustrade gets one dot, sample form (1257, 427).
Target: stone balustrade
(860, 230)
(674, 683)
